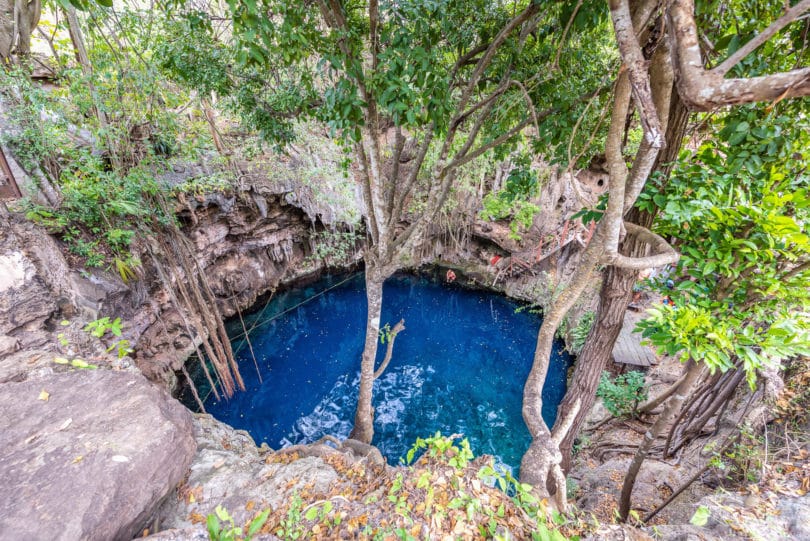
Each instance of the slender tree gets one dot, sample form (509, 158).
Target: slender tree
(698, 88)
(414, 91)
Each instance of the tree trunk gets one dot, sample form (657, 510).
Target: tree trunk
(615, 295)
(80, 51)
(673, 405)
(617, 289)
(26, 19)
(364, 416)
(540, 464)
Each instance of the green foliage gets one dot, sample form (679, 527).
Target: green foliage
(701, 516)
(514, 200)
(221, 527)
(102, 135)
(741, 462)
(580, 333)
(102, 326)
(444, 448)
(334, 248)
(741, 20)
(274, 71)
(623, 394)
(320, 512)
(588, 215)
(521, 494)
(208, 184)
(386, 333)
(101, 208)
(739, 208)
(291, 526)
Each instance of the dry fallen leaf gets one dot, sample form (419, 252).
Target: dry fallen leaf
(44, 395)
(196, 518)
(78, 459)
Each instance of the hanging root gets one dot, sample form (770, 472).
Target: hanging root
(186, 277)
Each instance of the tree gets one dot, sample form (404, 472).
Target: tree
(740, 304)
(650, 94)
(540, 465)
(616, 289)
(15, 31)
(414, 90)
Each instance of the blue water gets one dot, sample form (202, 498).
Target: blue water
(459, 368)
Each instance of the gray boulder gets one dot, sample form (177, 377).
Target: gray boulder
(229, 470)
(88, 455)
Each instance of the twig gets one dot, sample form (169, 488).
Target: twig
(789, 16)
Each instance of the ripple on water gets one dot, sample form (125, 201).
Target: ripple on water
(459, 367)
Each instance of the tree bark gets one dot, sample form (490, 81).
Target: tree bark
(18, 19)
(673, 405)
(614, 297)
(540, 465)
(706, 90)
(364, 415)
(616, 290)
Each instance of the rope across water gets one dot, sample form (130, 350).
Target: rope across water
(260, 323)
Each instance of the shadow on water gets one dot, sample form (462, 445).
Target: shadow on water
(458, 368)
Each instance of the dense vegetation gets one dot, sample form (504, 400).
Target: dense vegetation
(708, 167)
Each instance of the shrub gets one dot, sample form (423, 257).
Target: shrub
(623, 394)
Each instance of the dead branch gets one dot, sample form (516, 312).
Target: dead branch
(390, 350)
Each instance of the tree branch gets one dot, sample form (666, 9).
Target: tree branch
(704, 90)
(389, 352)
(664, 254)
(617, 168)
(403, 194)
(636, 66)
(518, 20)
(555, 64)
(790, 15)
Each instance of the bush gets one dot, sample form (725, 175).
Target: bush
(622, 395)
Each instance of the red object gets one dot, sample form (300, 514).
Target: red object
(451, 275)
(494, 259)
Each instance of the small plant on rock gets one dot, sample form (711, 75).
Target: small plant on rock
(623, 394)
(99, 328)
(221, 526)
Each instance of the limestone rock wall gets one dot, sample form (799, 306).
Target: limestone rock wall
(247, 243)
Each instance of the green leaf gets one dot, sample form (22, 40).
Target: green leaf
(701, 516)
(214, 527)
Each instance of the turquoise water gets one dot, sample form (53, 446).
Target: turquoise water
(459, 367)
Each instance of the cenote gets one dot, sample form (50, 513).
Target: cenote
(459, 367)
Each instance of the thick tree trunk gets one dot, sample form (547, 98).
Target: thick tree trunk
(364, 416)
(672, 407)
(617, 289)
(615, 295)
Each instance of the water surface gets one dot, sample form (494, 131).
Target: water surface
(459, 367)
